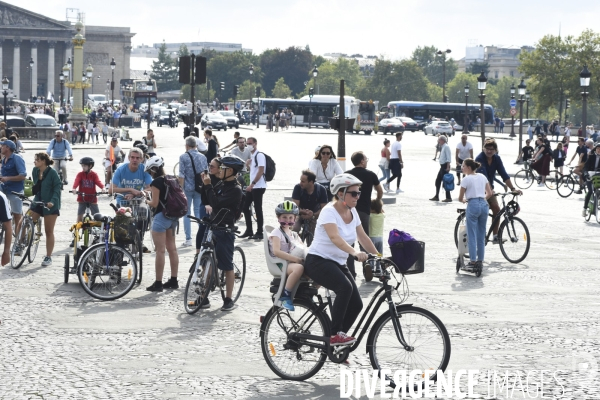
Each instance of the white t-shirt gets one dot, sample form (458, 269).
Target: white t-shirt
(333, 168)
(262, 162)
(394, 149)
(322, 246)
(284, 245)
(474, 185)
(464, 151)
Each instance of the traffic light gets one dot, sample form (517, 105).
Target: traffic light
(200, 70)
(311, 92)
(236, 90)
(568, 104)
(222, 86)
(258, 91)
(184, 69)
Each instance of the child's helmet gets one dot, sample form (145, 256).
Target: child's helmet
(87, 161)
(287, 207)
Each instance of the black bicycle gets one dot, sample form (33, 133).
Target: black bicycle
(513, 235)
(295, 343)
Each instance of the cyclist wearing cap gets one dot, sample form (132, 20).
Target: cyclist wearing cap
(224, 195)
(592, 165)
(86, 181)
(338, 225)
(13, 175)
(58, 149)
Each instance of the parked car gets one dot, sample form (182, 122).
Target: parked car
(12, 121)
(439, 127)
(214, 120)
(409, 124)
(390, 125)
(40, 120)
(163, 118)
(232, 120)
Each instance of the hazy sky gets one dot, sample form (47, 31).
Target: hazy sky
(368, 27)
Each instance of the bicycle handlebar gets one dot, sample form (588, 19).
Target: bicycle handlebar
(88, 194)
(25, 198)
(213, 226)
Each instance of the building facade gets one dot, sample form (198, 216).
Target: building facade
(193, 47)
(27, 36)
(502, 61)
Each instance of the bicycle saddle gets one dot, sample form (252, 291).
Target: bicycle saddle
(101, 217)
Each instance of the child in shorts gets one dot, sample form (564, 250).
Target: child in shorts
(86, 181)
(286, 244)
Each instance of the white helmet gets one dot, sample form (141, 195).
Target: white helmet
(343, 181)
(154, 162)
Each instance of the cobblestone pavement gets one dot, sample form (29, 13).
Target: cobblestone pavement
(57, 342)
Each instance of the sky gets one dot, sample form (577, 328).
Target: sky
(365, 27)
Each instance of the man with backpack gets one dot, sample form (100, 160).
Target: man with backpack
(444, 160)
(58, 149)
(256, 190)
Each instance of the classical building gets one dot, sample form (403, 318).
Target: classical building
(193, 47)
(502, 61)
(26, 36)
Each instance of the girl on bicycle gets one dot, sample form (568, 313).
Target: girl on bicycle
(475, 190)
(338, 225)
(285, 244)
(47, 188)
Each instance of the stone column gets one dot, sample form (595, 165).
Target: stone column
(33, 79)
(67, 56)
(1, 50)
(16, 81)
(51, 75)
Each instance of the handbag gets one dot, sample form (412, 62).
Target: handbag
(197, 176)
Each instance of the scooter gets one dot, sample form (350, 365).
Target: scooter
(463, 251)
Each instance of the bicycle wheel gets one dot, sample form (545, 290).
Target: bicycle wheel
(137, 252)
(514, 239)
(596, 205)
(66, 269)
(175, 169)
(35, 244)
(288, 357)
(523, 179)
(20, 248)
(588, 211)
(552, 179)
(421, 329)
(199, 284)
(239, 269)
(566, 186)
(107, 280)
(460, 221)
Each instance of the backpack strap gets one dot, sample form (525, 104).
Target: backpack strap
(287, 238)
(256, 164)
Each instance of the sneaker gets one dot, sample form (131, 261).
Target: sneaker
(447, 201)
(145, 250)
(584, 212)
(228, 305)
(386, 186)
(578, 191)
(287, 303)
(19, 251)
(171, 284)
(435, 198)
(47, 261)
(399, 190)
(341, 339)
(155, 287)
(258, 236)
(247, 234)
(495, 241)
(187, 243)
(65, 182)
(205, 303)
(540, 184)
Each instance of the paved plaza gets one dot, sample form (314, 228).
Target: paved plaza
(56, 342)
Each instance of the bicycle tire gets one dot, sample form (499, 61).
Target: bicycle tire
(199, 284)
(566, 186)
(461, 220)
(597, 204)
(287, 362)
(239, 268)
(588, 213)
(92, 268)
(551, 181)
(524, 179)
(66, 269)
(23, 242)
(137, 251)
(175, 172)
(514, 238)
(394, 356)
(35, 244)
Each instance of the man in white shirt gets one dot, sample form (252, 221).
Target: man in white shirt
(241, 150)
(396, 163)
(445, 160)
(255, 191)
(464, 150)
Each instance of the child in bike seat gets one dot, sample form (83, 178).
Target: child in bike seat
(285, 244)
(86, 181)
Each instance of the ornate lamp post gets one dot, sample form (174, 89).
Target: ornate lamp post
(61, 77)
(584, 81)
(251, 72)
(522, 90)
(527, 99)
(481, 85)
(31, 80)
(67, 75)
(83, 80)
(65, 72)
(113, 64)
(5, 83)
(512, 117)
(466, 125)
(77, 116)
(443, 54)
(150, 88)
(315, 73)
(89, 72)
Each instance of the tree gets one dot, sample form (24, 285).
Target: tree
(281, 90)
(292, 64)
(164, 70)
(200, 93)
(232, 69)
(455, 89)
(183, 51)
(476, 67)
(433, 65)
(330, 74)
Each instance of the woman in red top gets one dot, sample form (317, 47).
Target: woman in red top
(86, 181)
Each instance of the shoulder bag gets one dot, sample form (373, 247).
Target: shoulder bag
(197, 176)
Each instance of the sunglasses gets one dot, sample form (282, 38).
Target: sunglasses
(325, 153)
(489, 149)
(282, 223)
(355, 193)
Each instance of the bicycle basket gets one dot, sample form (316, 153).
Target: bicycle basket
(28, 188)
(596, 181)
(124, 228)
(409, 257)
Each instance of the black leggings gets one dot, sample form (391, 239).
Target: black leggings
(396, 170)
(256, 197)
(337, 278)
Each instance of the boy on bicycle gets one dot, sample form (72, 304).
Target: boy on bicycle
(86, 181)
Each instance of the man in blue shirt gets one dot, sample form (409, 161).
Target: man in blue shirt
(490, 164)
(130, 179)
(13, 175)
(310, 197)
(58, 149)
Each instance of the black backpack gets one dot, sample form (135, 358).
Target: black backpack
(270, 168)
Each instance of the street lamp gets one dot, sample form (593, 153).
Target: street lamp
(89, 72)
(512, 115)
(466, 125)
(527, 99)
(481, 85)
(113, 64)
(443, 54)
(67, 74)
(522, 91)
(315, 73)
(584, 81)
(150, 88)
(83, 81)
(31, 80)
(5, 83)
(107, 88)
(251, 72)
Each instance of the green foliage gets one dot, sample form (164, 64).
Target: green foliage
(455, 89)
(231, 68)
(433, 64)
(330, 74)
(183, 51)
(200, 93)
(476, 67)
(165, 70)
(281, 90)
(292, 64)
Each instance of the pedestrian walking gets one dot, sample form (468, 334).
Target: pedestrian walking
(325, 166)
(396, 164)
(256, 190)
(445, 160)
(384, 163)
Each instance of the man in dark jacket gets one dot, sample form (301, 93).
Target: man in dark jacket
(592, 165)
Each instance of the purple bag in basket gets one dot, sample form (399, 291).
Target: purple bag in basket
(405, 249)
(397, 236)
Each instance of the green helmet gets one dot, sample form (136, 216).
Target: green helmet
(287, 207)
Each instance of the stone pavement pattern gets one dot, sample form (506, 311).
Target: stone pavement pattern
(57, 342)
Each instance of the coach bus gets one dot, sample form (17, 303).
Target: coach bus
(420, 111)
(137, 91)
(322, 110)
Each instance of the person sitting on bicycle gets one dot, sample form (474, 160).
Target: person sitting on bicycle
(5, 219)
(47, 188)
(143, 148)
(58, 149)
(113, 156)
(582, 155)
(338, 225)
(310, 197)
(285, 244)
(13, 175)
(86, 181)
(227, 195)
(591, 165)
(490, 164)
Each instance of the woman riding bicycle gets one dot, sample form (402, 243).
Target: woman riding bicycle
(338, 225)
